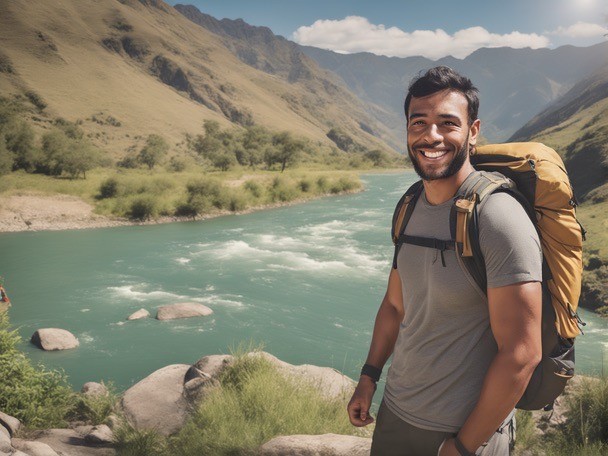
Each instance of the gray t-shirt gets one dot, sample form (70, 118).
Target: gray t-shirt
(445, 343)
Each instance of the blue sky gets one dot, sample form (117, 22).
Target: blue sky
(430, 28)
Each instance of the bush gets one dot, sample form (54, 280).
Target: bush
(95, 409)
(6, 158)
(154, 151)
(254, 188)
(38, 397)
(281, 190)
(36, 100)
(143, 208)
(128, 162)
(305, 185)
(204, 195)
(587, 412)
(108, 188)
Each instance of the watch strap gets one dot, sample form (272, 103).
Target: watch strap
(371, 371)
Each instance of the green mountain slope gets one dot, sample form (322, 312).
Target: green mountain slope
(577, 127)
(148, 69)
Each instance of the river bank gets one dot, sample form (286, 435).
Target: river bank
(31, 212)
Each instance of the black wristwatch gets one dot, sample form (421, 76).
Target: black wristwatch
(461, 448)
(371, 371)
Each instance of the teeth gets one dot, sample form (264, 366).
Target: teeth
(434, 154)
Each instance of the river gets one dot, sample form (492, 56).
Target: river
(304, 280)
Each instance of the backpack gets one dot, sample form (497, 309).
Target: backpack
(535, 176)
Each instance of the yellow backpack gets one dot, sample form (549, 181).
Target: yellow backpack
(535, 175)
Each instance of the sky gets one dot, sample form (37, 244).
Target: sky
(431, 28)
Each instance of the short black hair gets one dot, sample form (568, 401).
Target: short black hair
(442, 78)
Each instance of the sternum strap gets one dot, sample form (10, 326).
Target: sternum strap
(431, 243)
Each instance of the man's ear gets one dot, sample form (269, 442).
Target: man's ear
(474, 132)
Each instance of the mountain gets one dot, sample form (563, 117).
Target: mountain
(514, 84)
(124, 69)
(576, 125)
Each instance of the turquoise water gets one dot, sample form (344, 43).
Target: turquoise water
(305, 280)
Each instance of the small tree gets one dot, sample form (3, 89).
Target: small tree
(288, 148)
(154, 151)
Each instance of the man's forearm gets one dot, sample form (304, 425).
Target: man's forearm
(386, 330)
(503, 386)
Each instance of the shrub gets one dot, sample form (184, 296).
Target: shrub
(177, 164)
(587, 412)
(143, 208)
(254, 188)
(154, 151)
(36, 100)
(130, 442)
(108, 188)
(323, 184)
(128, 162)
(281, 190)
(6, 158)
(95, 409)
(305, 185)
(38, 397)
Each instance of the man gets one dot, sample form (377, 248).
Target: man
(461, 361)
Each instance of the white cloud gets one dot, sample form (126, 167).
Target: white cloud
(581, 30)
(357, 34)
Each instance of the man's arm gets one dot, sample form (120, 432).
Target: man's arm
(386, 328)
(515, 319)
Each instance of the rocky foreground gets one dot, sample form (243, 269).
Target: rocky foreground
(164, 400)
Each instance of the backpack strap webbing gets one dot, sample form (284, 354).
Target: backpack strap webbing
(402, 215)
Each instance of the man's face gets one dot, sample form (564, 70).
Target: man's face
(439, 134)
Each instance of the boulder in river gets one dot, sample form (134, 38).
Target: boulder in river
(54, 339)
(141, 313)
(182, 310)
(313, 445)
(157, 402)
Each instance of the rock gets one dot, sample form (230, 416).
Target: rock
(10, 423)
(33, 448)
(197, 384)
(100, 435)
(93, 389)
(5, 440)
(141, 313)
(114, 421)
(67, 442)
(158, 402)
(214, 365)
(19, 453)
(317, 445)
(182, 310)
(330, 382)
(54, 339)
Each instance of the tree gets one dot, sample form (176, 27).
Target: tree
(288, 148)
(154, 151)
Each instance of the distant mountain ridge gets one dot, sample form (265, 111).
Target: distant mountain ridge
(515, 84)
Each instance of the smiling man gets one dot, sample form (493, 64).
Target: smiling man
(461, 357)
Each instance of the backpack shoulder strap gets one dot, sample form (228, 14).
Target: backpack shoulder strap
(402, 214)
(464, 220)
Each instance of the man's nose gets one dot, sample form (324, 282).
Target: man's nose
(432, 134)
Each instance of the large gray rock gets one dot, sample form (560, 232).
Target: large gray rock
(197, 385)
(54, 339)
(141, 313)
(100, 435)
(158, 402)
(65, 442)
(5, 440)
(317, 445)
(34, 448)
(10, 423)
(330, 382)
(183, 310)
(94, 389)
(214, 365)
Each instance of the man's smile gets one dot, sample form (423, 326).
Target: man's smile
(433, 154)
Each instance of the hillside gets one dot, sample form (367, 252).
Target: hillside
(515, 84)
(577, 127)
(126, 69)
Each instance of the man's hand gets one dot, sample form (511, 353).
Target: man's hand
(358, 407)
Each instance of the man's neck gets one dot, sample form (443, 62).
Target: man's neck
(438, 191)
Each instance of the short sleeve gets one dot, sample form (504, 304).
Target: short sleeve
(509, 242)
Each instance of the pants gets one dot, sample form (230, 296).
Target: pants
(395, 437)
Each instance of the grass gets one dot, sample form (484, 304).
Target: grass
(140, 194)
(585, 431)
(253, 404)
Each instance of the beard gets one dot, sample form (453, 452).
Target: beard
(460, 157)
